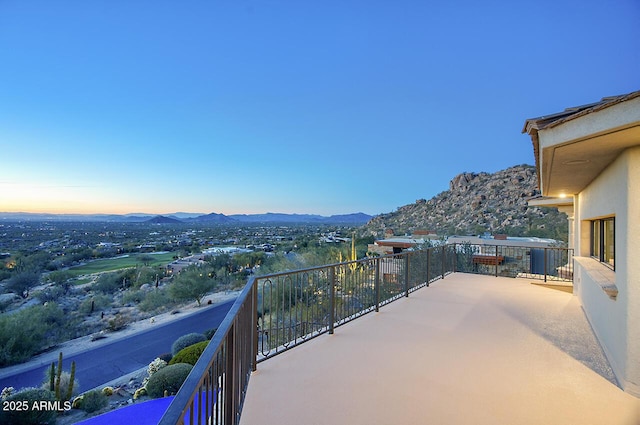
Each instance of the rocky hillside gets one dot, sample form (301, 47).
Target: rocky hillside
(476, 203)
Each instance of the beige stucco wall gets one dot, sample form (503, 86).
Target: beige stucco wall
(632, 239)
(616, 191)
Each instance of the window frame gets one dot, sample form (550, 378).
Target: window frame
(602, 249)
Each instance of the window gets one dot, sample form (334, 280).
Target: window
(603, 240)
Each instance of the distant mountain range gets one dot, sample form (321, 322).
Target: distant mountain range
(183, 217)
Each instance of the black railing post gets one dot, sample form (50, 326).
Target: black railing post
(545, 264)
(254, 327)
(377, 284)
(455, 258)
(571, 253)
(428, 265)
(406, 275)
(443, 260)
(332, 294)
(229, 384)
(497, 260)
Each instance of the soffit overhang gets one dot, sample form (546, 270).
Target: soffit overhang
(544, 201)
(564, 204)
(573, 147)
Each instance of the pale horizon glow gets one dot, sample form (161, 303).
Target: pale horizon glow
(313, 107)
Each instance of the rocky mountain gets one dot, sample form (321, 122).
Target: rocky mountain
(477, 203)
(355, 218)
(160, 219)
(211, 218)
(271, 217)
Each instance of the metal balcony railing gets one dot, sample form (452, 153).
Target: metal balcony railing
(276, 312)
(548, 264)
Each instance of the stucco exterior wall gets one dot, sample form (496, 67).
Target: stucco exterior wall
(616, 191)
(632, 237)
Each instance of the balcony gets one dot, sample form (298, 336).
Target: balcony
(453, 347)
(469, 349)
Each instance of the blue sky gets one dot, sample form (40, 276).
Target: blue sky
(325, 107)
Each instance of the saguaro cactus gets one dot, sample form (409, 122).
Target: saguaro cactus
(58, 376)
(71, 379)
(52, 377)
(55, 380)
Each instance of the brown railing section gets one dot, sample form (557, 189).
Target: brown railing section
(214, 390)
(294, 307)
(543, 263)
(277, 312)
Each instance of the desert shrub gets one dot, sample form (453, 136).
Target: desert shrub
(154, 300)
(4, 274)
(50, 294)
(93, 401)
(29, 416)
(169, 379)
(4, 304)
(75, 404)
(109, 283)
(6, 392)
(118, 322)
(140, 392)
(155, 366)
(166, 357)
(209, 333)
(186, 340)
(15, 344)
(31, 330)
(192, 284)
(99, 301)
(51, 314)
(21, 282)
(144, 275)
(61, 278)
(132, 296)
(190, 354)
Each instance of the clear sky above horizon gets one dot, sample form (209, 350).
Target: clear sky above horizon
(253, 106)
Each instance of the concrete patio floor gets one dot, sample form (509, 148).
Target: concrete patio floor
(469, 349)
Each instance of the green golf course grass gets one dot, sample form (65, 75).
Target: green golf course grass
(111, 264)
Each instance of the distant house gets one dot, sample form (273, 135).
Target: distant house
(503, 240)
(146, 248)
(395, 244)
(176, 266)
(588, 164)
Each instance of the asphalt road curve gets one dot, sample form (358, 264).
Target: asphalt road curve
(104, 363)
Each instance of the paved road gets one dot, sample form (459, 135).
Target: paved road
(99, 365)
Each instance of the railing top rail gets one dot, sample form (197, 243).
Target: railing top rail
(344, 263)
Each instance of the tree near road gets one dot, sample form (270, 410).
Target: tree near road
(61, 278)
(145, 259)
(191, 284)
(22, 282)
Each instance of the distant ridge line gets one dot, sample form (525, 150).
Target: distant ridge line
(182, 217)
